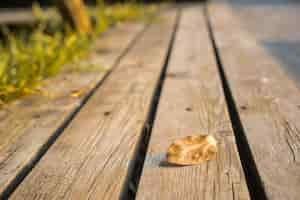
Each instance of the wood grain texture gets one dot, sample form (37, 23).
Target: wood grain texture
(267, 102)
(192, 102)
(29, 123)
(91, 158)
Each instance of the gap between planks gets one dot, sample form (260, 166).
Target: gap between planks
(35, 122)
(134, 174)
(192, 102)
(267, 102)
(91, 159)
(254, 182)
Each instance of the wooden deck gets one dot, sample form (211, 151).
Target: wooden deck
(200, 68)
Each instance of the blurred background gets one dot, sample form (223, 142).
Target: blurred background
(28, 3)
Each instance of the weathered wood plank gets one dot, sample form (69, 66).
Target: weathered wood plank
(93, 155)
(267, 102)
(28, 124)
(17, 16)
(279, 37)
(192, 102)
(24, 16)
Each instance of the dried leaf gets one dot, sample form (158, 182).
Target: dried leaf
(192, 150)
(78, 93)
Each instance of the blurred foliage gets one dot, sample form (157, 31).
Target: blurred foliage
(29, 56)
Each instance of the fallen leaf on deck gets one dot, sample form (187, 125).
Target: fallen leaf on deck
(192, 150)
(78, 93)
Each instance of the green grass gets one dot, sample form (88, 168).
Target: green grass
(29, 56)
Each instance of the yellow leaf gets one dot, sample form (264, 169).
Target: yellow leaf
(77, 93)
(192, 150)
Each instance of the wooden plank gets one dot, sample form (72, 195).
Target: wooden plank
(268, 13)
(24, 16)
(192, 102)
(28, 125)
(267, 102)
(17, 16)
(280, 37)
(93, 155)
